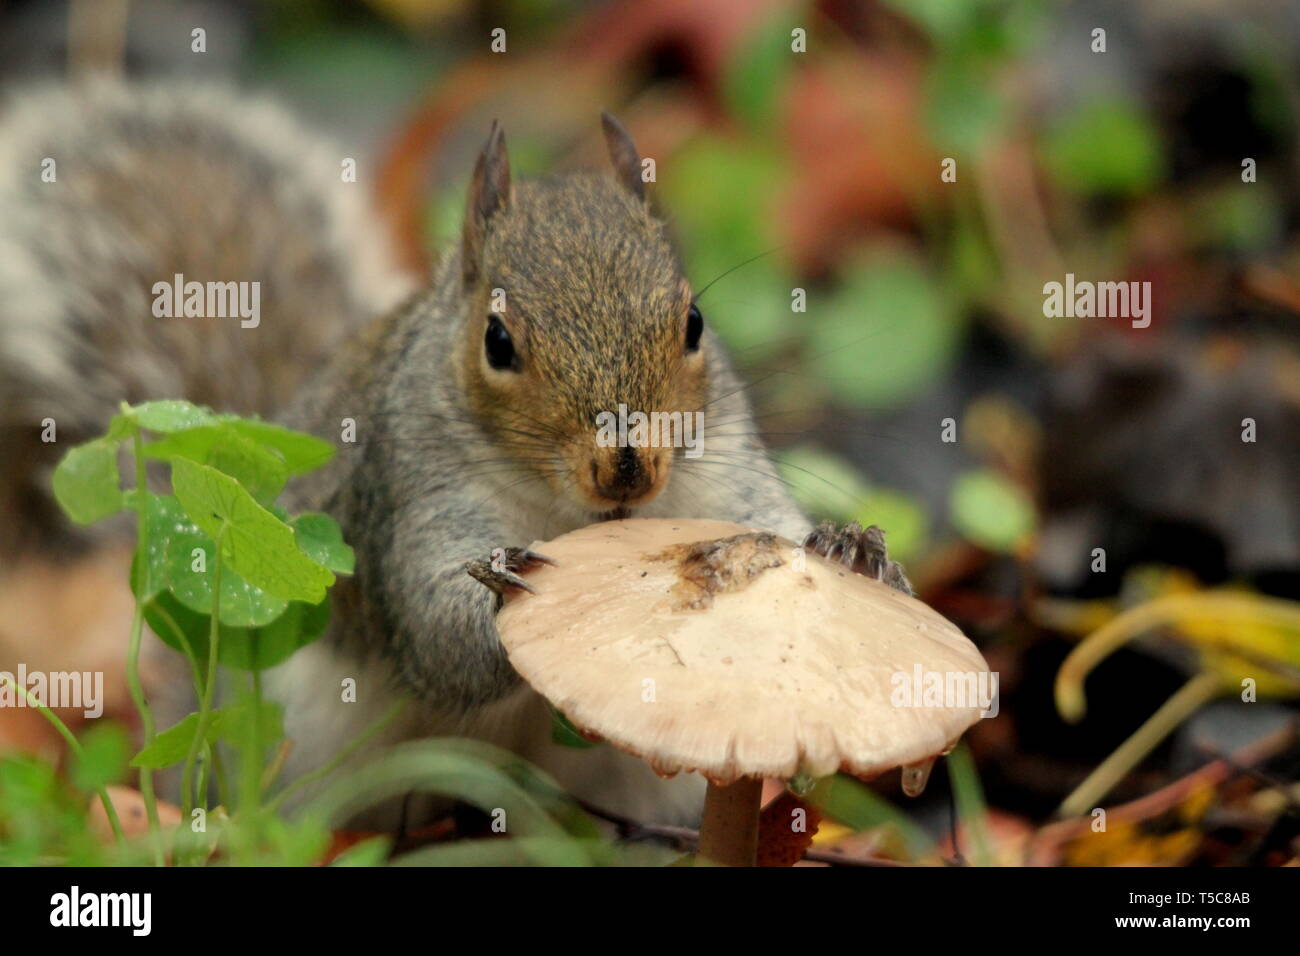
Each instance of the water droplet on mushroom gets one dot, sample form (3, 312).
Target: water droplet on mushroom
(916, 776)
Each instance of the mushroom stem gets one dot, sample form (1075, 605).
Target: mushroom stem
(729, 830)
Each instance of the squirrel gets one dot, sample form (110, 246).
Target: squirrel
(474, 401)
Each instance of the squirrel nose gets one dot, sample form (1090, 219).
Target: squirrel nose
(625, 478)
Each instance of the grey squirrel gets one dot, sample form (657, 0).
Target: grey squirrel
(474, 401)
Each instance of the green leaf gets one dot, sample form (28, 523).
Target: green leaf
(169, 747)
(105, 749)
(259, 470)
(86, 482)
(245, 648)
(258, 648)
(258, 546)
(301, 452)
(242, 604)
(165, 524)
(170, 415)
(121, 426)
(565, 734)
(990, 511)
(321, 540)
(232, 723)
(173, 540)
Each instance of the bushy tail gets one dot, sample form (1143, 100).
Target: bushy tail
(107, 195)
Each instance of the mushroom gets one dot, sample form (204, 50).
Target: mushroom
(130, 807)
(707, 646)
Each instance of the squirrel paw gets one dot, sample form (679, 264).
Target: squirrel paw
(861, 550)
(500, 573)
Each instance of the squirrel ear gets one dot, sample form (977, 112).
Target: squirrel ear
(623, 154)
(489, 193)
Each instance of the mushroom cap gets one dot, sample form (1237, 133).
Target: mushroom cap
(721, 657)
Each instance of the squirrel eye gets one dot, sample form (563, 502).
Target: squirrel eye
(498, 346)
(694, 328)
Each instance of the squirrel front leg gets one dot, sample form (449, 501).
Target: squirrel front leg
(859, 549)
(441, 620)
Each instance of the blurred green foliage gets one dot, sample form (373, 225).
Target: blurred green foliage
(719, 197)
(44, 819)
(886, 332)
(1104, 146)
(757, 77)
(966, 106)
(990, 510)
(103, 758)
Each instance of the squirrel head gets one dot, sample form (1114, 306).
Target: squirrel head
(577, 310)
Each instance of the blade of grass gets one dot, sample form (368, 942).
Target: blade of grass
(341, 758)
(1190, 697)
(971, 808)
(859, 808)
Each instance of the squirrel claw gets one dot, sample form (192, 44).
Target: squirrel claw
(859, 549)
(534, 559)
(498, 573)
